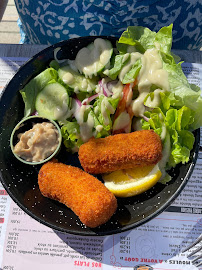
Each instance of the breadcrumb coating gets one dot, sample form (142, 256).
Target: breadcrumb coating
(87, 197)
(121, 151)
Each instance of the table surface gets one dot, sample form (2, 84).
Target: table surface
(25, 50)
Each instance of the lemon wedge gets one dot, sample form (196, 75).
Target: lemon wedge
(131, 182)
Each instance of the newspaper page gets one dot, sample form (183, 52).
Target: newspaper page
(158, 244)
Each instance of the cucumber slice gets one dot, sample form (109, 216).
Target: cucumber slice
(52, 102)
(76, 80)
(91, 60)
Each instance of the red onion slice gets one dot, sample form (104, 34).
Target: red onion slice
(88, 100)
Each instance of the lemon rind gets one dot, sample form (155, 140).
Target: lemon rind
(135, 188)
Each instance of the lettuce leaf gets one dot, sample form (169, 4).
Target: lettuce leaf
(103, 132)
(120, 61)
(31, 90)
(182, 139)
(131, 75)
(98, 110)
(180, 110)
(175, 123)
(71, 136)
(142, 38)
(184, 93)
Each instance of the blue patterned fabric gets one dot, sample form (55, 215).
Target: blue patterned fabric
(50, 21)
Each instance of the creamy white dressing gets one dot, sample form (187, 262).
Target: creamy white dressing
(151, 73)
(70, 112)
(125, 57)
(122, 121)
(75, 110)
(104, 112)
(156, 101)
(86, 128)
(163, 133)
(84, 83)
(60, 112)
(96, 109)
(106, 72)
(117, 90)
(76, 90)
(68, 78)
(99, 128)
(99, 89)
(109, 106)
(105, 105)
(138, 107)
(133, 58)
(80, 118)
(89, 59)
(71, 77)
(89, 88)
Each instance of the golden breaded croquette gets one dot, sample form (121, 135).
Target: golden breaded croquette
(87, 197)
(121, 151)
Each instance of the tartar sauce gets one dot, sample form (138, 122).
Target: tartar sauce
(38, 143)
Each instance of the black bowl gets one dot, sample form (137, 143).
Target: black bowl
(20, 180)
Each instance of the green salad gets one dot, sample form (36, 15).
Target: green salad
(104, 91)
